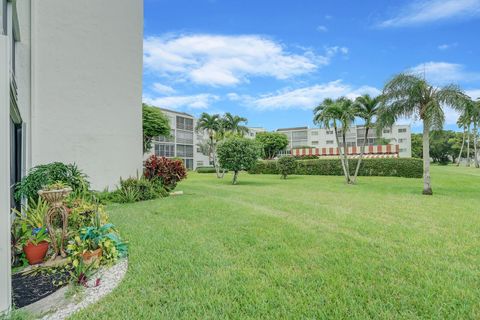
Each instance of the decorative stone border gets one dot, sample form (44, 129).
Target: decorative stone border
(59, 308)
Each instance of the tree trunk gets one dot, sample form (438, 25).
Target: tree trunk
(362, 151)
(461, 148)
(475, 140)
(345, 156)
(468, 146)
(235, 176)
(340, 154)
(427, 186)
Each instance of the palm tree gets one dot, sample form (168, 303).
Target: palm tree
(332, 113)
(366, 108)
(462, 122)
(211, 124)
(409, 95)
(233, 124)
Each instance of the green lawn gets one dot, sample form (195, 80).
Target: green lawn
(308, 247)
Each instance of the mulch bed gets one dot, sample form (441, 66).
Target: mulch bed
(29, 288)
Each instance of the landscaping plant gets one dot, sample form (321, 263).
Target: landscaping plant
(166, 171)
(238, 154)
(286, 165)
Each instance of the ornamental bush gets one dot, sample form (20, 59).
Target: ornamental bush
(238, 154)
(168, 171)
(390, 167)
(286, 165)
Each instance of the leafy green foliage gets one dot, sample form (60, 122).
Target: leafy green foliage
(286, 165)
(155, 123)
(393, 167)
(272, 143)
(238, 154)
(46, 174)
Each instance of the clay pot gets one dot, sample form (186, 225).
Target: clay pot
(36, 253)
(92, 256)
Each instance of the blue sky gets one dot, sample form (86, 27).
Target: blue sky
(274, 61)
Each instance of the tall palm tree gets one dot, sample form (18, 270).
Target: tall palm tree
(338, 114)
(475, 113)
(211, 124)
(366, 108)
(409, 95)
(233, 124)
(462, 122)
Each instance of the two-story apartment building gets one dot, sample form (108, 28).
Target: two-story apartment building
(70, 91)
(325, 138)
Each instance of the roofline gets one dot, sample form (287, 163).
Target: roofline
(177, 112)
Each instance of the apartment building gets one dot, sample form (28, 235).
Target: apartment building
(70, 91)
(184, 142)
(299, 137)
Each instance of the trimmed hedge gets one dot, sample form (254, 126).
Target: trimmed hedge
(390, 167)
(205, 169)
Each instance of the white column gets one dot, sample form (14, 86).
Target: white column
(5, 271)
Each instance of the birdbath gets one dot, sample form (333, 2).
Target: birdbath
(55, 199)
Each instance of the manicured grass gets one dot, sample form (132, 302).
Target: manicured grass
(308, 247)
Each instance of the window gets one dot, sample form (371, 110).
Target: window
(184, 150)
(171, 138)
(402, 130)
(314, 133)
(188, 163)
(184, 123)
(165, 150)
(185, 137)
(299, 135)
(315, 143)
(329, 141)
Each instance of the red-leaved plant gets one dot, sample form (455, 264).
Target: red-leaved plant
(168, 171)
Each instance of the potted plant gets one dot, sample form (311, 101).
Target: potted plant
(35, 244)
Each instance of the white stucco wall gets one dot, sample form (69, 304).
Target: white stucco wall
(5, 282)
(87, 86)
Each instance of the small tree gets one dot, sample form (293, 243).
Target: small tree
(286, 165)
(238, 154)
(272, 143)
(155, 124)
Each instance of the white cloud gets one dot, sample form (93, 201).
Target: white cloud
(227, 60)
(447, 46)
(473, 93)
(427, 11)
(308, 97)
(440, 73)
(162, 89)
(322, 29)
(199, 101)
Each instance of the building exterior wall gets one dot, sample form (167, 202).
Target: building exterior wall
(183, 142)
(87, 86)
(325, 138)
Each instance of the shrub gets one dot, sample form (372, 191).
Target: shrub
(286, 165)
(206, 169)
(392, 167)
(167, 171)
(46, 174)
(238, 154)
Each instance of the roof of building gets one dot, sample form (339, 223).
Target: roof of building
(177, 112)
(295, 128)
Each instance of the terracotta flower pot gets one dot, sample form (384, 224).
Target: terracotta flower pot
(36, 253)
(92, 256)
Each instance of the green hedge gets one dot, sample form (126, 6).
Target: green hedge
(390, 167)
